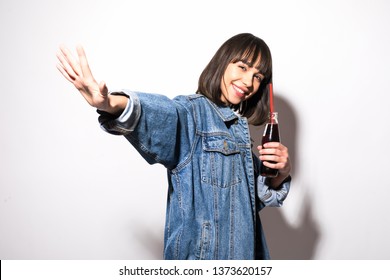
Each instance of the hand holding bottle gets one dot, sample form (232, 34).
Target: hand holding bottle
(275, 155)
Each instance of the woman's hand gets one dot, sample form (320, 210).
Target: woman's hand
(79, 74)
(275, 155)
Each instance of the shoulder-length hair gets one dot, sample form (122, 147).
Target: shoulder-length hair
(249, 49)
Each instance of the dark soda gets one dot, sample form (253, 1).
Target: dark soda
(271, 134)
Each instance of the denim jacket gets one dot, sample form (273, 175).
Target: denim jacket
(214, 192)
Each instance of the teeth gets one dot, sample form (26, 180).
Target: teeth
(239, 90)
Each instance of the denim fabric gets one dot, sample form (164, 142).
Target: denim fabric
(214, 194)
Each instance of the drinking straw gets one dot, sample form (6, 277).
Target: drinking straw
(271, 99)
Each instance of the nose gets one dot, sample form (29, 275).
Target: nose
(247, 80)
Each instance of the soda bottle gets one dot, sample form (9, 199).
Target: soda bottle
(271, 134)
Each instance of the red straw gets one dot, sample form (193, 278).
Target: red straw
(271, 99)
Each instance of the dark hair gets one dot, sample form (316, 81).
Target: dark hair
(247, 48)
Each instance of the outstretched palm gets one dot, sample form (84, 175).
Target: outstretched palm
(79, 74)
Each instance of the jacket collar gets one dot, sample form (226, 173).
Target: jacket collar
(225, 112)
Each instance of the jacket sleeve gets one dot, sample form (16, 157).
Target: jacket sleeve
(269, 196)
(127, 121)
(155, 125)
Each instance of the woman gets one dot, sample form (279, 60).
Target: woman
(214, 187)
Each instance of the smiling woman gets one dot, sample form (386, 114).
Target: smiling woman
(215, 190)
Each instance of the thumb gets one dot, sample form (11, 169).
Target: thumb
(103, 88)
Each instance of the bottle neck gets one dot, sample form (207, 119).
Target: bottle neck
(273, 117)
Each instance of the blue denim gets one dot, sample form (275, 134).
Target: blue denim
(214, 192)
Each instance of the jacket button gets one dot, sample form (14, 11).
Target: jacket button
(225, 145)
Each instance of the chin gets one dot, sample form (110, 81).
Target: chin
(236, 101)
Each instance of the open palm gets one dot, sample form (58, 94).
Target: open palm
(79, 74)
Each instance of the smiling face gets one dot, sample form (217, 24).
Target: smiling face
(240, 71)
(240, 82)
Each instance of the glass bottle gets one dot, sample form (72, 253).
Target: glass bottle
(271, 134)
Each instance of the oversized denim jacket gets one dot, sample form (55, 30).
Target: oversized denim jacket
(214, 192)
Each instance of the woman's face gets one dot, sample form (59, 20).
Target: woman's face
(239, 82)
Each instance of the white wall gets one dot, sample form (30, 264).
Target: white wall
(70, 191)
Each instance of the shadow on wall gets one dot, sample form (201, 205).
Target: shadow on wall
(152, 240)
(287, 242)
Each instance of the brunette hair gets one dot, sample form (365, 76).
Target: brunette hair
(247, 48)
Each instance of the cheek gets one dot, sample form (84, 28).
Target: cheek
(253, 93)
(255, 89)
(222, 85)
(256, 86)
(249, 96)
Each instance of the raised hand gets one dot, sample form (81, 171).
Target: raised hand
(79, 74)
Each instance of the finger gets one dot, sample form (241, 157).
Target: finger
(273, 145)
(73, 63)
(273, 155)
(103, 88)
(269, 158)
(270, 151)
(269, 164)
(275, 165)
(83, 62)
(64, 73)
(63, 63)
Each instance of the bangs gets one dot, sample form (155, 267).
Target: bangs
(256, 55)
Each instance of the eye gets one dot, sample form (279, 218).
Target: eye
(242, 67)
(258, 77)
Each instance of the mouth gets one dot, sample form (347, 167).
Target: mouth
(241, 93)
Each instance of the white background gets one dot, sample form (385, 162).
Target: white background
(68, 190)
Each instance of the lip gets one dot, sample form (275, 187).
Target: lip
(240, 92)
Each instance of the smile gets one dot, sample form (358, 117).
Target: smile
(240, 92)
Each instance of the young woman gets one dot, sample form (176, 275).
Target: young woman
(214, 188)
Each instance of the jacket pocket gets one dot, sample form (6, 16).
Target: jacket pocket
(220, 161)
